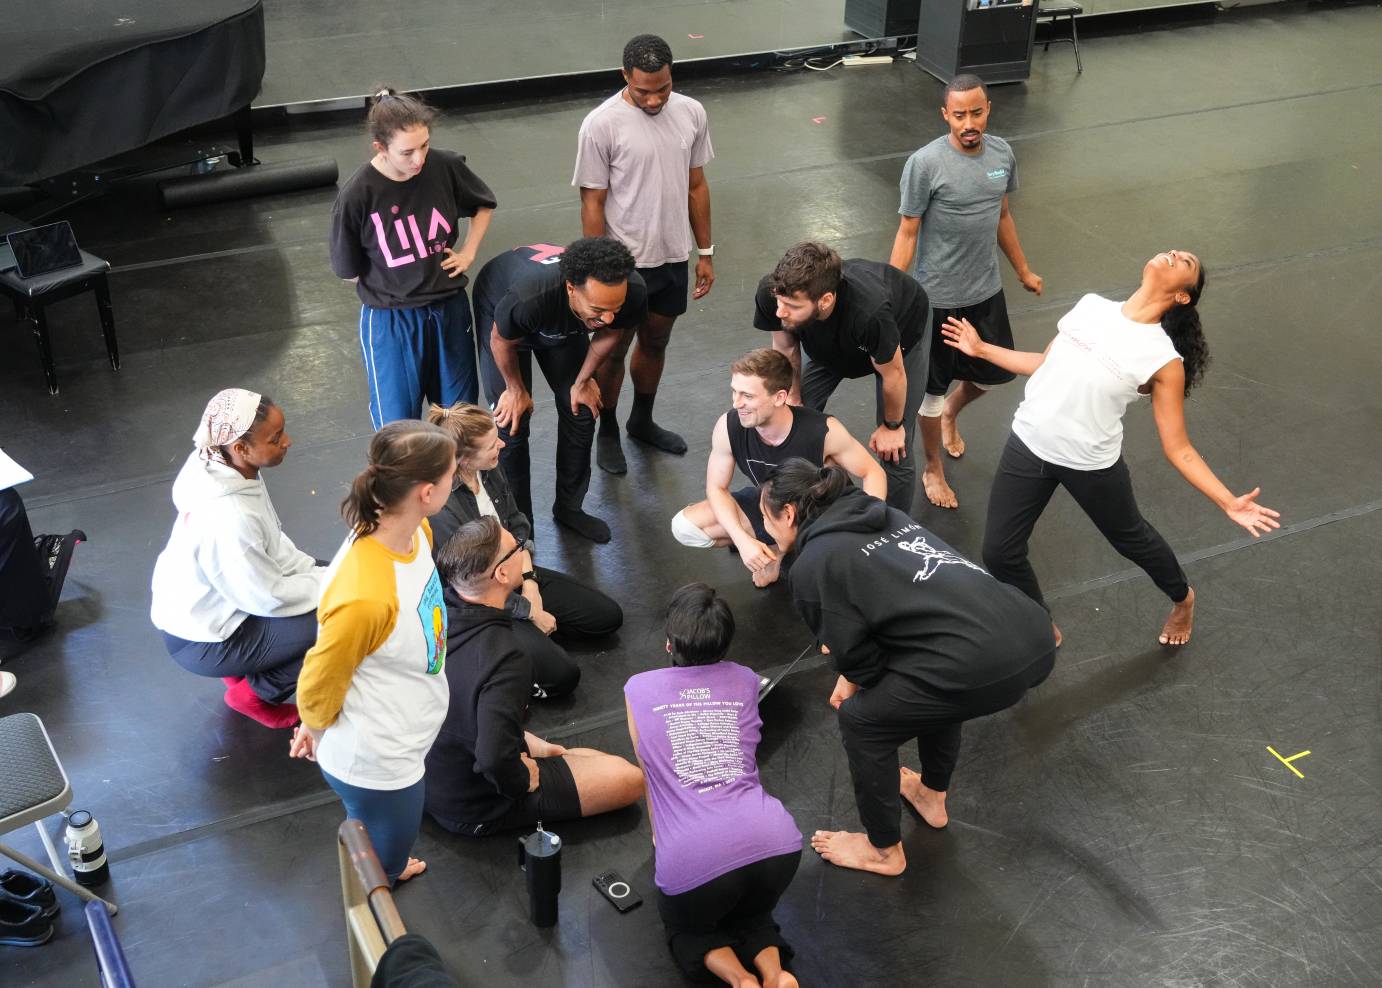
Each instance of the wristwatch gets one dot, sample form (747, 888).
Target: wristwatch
(530, 575)
(706, 251)
(892, 425)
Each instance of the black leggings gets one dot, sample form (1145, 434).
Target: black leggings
(734, 910)
(878, 720)
(581, 612)
(1023, 486)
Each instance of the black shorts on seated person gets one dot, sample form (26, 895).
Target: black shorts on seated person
(747, 499)
(556, 799)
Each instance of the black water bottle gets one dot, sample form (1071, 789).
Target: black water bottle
(85, 851)
(539, 855)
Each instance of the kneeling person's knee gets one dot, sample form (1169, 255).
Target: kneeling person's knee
(688, 534)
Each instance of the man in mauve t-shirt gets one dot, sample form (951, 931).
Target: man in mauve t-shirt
(639, 162)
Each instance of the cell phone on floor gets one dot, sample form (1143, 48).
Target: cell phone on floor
(619, 892)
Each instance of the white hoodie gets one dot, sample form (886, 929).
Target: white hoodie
(227, 558)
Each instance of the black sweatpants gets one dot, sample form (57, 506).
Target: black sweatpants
(24, 594)
(581, 612)
(267, 652)
(878, 720)
(734, 910)
(1023, 486)
(575, 433)
(819, 381)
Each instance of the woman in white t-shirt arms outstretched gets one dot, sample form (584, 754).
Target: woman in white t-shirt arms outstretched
(1068, 431)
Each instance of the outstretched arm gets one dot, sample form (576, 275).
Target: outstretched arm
(1168, 408)
(961, 334)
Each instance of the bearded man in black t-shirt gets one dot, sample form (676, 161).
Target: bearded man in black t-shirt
(853, 318)
(568, 307)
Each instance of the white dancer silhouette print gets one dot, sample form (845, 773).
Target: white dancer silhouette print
(933, 558)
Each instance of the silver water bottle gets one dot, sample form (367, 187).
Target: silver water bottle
(85, 852)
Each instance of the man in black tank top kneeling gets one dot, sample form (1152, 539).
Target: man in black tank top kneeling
(760, 432)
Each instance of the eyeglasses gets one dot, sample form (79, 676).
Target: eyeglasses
(517, 548)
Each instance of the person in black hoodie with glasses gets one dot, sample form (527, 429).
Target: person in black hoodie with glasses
(922, 638)
(486, 774)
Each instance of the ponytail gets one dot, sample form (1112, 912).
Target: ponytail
(806, 487)
(1182, 324)
(402, 455)
(391, 111)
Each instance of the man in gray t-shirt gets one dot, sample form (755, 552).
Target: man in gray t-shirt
(954, 218)
(640, 166)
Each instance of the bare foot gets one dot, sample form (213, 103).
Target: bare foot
(950, 436)
(1056, 631)
(927, 802)
(768, 575)
(938, 492)
(1176, 630)
(415, 868)
(854, 851)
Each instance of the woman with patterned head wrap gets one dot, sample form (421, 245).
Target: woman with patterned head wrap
(232, 595)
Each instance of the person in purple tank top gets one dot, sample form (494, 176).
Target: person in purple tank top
(725, 849)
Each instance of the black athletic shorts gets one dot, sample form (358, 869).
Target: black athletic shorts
(990, 318)
(556, 799)
(747, 499)
(667, 287)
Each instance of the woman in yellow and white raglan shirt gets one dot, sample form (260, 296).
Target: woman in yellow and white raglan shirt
(372, 693)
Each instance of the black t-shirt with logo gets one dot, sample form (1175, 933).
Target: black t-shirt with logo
(523, 293)
(392, 235)
(877, 309)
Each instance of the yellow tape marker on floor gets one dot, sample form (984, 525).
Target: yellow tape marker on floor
(1287, 761)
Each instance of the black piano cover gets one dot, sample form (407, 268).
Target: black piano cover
(82, 80)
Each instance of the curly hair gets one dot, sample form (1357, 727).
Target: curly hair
(603, 258)
(808, 267)
(1182, 324)
(647, 53)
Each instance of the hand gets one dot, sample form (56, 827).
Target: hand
(538, 748)
(1031, 281)
(705, 277)
(586, 393)
(844, 689)
(755, 555)
(457, 261)
(1245, 510)
(304, 743)
(961, 334)
(532, 772)
(889, 444)
(542, 621)
(511, 407)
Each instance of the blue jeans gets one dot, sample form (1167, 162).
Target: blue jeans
(391, 816)
(423, 353)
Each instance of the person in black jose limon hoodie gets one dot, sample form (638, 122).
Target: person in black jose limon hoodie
(922, 638)
(485, 773)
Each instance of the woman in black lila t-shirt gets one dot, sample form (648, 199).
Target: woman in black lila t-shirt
(393, 230)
